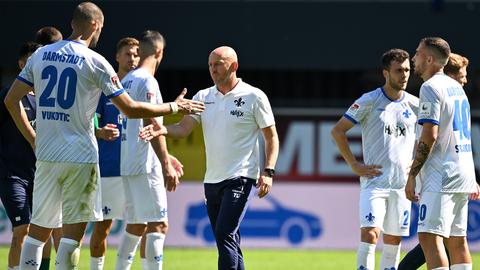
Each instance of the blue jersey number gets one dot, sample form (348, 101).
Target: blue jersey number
(461, 118)
(66, 88)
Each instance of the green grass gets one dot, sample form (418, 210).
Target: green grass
(256, 259)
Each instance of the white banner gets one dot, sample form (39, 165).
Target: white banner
(294, 215)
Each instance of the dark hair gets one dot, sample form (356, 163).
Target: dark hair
(439, 47)
(27, 49)
(149, 41)
(128, 41)
(48, 35)
(397, 55)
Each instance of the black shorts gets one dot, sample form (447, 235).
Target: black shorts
(16, 194)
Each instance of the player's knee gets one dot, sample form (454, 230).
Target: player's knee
(369, 235)
(163, 227)
(20, 231)
(392, 239)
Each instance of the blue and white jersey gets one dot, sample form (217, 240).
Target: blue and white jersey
(138, 156)
(449, 167)
(388, 136)
(109, 151)
(68, 78)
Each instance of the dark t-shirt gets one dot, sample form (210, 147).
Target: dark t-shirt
(16, 155)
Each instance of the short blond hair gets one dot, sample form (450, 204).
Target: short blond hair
(128, 41)
(455, 63)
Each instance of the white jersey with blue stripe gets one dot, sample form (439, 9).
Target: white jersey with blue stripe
(388, 136)
(449, 167)
(68, 78)
(138, 156)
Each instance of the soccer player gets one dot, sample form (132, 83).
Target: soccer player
(17, 169)
(48, 35)
(235, 115)
(142, 164)
(443, 160)
(456, 68)
(68, 79)
(109, 118)
(387, 116)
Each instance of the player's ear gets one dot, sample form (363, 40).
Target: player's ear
(234, 66)
(385, 73)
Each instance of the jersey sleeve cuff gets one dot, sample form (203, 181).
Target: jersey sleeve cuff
(350, 118)
(116, 94)
(433, 121)
(25, 81)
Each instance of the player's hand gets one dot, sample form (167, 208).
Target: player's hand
(187, 106)
(171, 178)
(369, 171)
(177, 165)
(151, 131)
(109, 132)
(264, 185)
(410, 189)
(476, 194)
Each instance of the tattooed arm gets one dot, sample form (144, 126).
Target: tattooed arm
(424, 147)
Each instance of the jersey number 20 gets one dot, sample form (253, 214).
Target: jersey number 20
(66, 87)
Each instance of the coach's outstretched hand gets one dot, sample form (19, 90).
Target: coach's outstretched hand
(151, 131)
(187, 106)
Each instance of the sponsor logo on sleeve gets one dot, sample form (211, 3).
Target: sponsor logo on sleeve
(353, 110)
(116, 82)
(150, 96)
(425, 110)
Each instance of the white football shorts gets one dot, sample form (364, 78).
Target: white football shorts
(388, 210)
(66, 193)
(445, 214)
(145, 197)
(113, 198)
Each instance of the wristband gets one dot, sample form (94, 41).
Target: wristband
(173, 107)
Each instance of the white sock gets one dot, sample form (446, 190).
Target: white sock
(390, 257)
(144, 264)
(440, 268)
(68, 254)
(154, 250)
(96, 263)
(461, 266)
(126, 251)
(31, 256)
(366, 256)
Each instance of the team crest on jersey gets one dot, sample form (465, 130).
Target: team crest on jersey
(425, 109)
(353, 110)
(150, 95)
(116, 81)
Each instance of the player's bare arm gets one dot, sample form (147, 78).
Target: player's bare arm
(424, 147)
(159, 145)
(179, 130)
(265, 181)
(135, 109)
(339, 135)
(14, 105)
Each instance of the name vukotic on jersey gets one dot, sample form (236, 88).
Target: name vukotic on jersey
(55, 116)
(63, 58)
